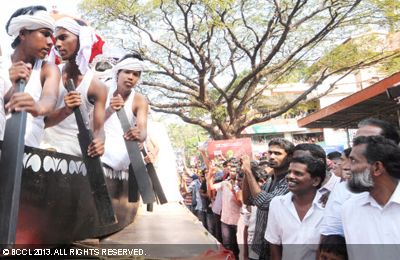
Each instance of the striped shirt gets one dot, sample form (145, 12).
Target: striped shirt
(262, 201)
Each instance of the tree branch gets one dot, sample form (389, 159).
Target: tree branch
(170, 88)
(185, 118)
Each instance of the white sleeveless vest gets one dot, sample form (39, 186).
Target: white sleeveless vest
(115, 153)
(34, 125)
(63, 136)
(5, 85)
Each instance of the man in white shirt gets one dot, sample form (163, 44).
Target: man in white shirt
(332, 222)
(316, 151)
(294, 219)
(373, 217)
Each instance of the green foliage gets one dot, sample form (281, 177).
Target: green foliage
(198, 112)
(219, 113)
(296, 74)
(213, 94)
(305, 107)
(272, 103)
(390, 66)
(187, 137)
(390, 10)
(347, 54)
(104, 11)
(267, 104)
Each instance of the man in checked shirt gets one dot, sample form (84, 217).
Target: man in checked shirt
(280, 151)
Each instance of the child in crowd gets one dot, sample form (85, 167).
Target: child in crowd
(332, 247)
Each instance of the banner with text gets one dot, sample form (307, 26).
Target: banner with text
(229, 148)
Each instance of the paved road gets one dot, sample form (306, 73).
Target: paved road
(170, 231)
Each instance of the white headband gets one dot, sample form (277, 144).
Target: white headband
(87, 38)
(129, 64)
(69, 24)
(40, 19)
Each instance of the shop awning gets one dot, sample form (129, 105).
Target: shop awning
(346, 113)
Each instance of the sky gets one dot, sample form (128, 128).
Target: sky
(8, 7)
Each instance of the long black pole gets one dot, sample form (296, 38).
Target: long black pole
(11, 165)
(156, 185)
(139, 169)
(94, 167)
(154, 179)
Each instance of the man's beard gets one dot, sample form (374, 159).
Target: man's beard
(360, 181)
(283, 165)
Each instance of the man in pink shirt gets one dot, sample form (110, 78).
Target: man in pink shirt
(231, 203)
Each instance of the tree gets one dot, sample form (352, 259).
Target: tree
(187, 137)
(390, 11)
(213, 60)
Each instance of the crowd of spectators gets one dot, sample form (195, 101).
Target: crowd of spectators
(308, 138)
(299, 203)
(297, 138)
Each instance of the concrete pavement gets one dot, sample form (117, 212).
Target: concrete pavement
(170, 231)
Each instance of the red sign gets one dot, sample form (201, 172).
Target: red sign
(229, 148)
